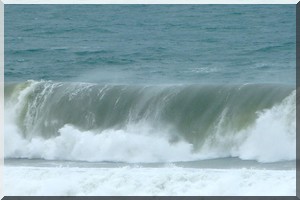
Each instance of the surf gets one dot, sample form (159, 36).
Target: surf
(149, 123)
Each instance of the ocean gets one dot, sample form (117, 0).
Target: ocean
(150, 100)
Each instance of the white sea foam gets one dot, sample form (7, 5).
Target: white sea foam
(271, 138)
(110, 145)
(147, 181)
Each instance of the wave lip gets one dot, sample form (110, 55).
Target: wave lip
(91, 122)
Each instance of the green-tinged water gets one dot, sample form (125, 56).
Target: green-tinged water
(191, 111)
(150, 83)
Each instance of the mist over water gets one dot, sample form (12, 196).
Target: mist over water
(90, 122)
(149, 83)
(150, 100)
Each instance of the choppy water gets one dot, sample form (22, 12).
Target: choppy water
(151, 44)
(99, 87)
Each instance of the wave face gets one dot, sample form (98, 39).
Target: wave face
(91, 122)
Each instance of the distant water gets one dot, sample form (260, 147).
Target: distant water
(151, 43)
(190, 89)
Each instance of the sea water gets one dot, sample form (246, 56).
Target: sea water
(150, 100)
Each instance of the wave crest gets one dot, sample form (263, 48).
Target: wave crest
(81, 121)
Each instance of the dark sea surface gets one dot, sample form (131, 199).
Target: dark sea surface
(150, 83)
(151, 44)
(150, 100)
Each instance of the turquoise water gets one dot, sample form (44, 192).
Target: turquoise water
(150, 83)
(150, 100)
(152, 44)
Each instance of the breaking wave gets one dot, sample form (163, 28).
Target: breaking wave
(157, 123)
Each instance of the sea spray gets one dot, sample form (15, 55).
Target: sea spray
(143, 123)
